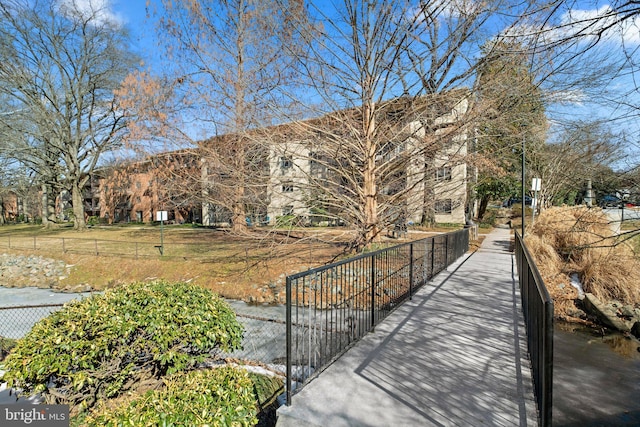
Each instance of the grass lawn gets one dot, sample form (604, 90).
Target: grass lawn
(251, 267)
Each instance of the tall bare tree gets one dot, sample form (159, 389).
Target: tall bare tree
(60, 66)
(368, 54)
(231, 60)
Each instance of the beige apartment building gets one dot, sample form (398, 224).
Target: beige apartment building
(293, 169)
(179, 182)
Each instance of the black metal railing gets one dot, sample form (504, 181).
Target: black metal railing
(331, 307)
(537, 307)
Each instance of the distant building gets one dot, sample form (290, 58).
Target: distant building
(136, 191)
(183, 182)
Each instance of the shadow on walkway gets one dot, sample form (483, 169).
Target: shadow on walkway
(453, 355)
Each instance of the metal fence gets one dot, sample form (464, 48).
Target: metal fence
(264, 336)
(110, 248)
(537, 307)
(330, 308)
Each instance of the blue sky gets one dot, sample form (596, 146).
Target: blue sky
(134, 14)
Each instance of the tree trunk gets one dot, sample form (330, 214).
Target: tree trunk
(371, 227)
(428, 202)
(25, 213)
(45, 206)
(484, 202)
(428, 217)
(239, 217)
(79, 222)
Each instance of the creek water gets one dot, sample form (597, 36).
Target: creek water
(596, 378)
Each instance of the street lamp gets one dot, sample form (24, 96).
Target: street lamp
(523, 184)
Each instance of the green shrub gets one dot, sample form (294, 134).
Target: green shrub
(288, 221)
(489, 218)
(216, 397)
(101, 346)
(6, 344)
(93, 220)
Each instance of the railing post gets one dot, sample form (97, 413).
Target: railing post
(373, 292)
(410, 271)
(433, 257)
(446, 251)
(547, 377)
(289, 342)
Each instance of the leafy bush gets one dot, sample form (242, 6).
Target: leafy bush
(6, 344)
(216, 397)
(101, 346)
(93, 220)
(489, 218)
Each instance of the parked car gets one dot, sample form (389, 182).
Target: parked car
(609, 201)
(516, 200)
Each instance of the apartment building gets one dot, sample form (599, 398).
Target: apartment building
(136, 191)
(432, 178)
(426, 146)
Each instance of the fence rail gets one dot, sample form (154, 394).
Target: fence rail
(537, 307)
(115, 248)
(331, 307)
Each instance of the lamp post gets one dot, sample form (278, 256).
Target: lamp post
(523, 184)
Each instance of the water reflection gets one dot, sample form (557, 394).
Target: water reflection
(596, 378)
(626, 346)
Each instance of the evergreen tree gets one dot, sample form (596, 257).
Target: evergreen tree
(512, 114)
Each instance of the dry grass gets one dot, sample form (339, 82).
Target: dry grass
(567, 240)
(251, 267)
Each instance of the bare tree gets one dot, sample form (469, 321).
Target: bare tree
(60, 66)
(583, 151)
(369, 53)
(230, 60)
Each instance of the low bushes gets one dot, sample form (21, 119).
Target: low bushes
(6, 344)
(99, 347)
(215, 397)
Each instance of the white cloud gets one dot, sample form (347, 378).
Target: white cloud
(445, 9)
(101, 10)
(569, 96)
(604, 21)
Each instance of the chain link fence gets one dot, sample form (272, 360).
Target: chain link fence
(264, 336)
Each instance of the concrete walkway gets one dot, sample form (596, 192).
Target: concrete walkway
(455, 355)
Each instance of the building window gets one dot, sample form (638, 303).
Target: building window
(139, 216)
(286, 162)
(443, 206)
(138, 185)
(287, 210)
(443, 174)
(138, 199)
(287, 187)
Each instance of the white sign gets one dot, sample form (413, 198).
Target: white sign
(536, 184)
(161, 216)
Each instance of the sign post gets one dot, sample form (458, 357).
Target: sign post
(162, 217)
(536, 185)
